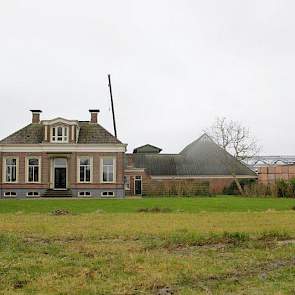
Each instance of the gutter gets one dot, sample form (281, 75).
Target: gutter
(204, 177)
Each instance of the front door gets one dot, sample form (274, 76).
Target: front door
(60, 178)
(137, 185)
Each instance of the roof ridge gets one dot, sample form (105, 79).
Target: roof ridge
(204, 135)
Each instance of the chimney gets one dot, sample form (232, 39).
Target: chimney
(93, 116)
(36, 116)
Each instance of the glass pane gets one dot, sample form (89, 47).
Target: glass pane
(84, 161)
(104, 178)
(88, 173)
(59, 131)
(111, 176)
(105, 173)
(60, 162)
(13, 173)
(82, 174)
(65, 131)
(36, 174)
(8, 173)
(108, 161)
(53, 131)
(11, 161)
(33, 162)
(31, 174)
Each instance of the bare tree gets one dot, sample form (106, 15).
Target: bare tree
(236, 140)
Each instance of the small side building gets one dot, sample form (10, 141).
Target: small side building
(201, 167)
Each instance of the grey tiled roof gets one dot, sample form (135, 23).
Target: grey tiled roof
(89, 134)
(94, 133)
(202, 157)
(147, 148)
(30, 134)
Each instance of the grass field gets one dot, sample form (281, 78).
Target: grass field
(204, 246)
(187, 205)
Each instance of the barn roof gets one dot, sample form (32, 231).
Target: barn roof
(147, 149)
(201, 157)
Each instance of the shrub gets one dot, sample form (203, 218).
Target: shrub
(233, 189)
(281, 189)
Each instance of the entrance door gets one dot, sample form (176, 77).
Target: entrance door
(137, 185)
(60, 173)
(60, 181)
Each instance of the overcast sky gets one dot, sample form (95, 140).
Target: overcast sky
(175, 66)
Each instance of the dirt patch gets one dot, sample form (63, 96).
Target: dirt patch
(164, 291)
(20, 284)
(59, 212)
(154, 210)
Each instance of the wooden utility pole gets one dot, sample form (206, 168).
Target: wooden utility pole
(112, 102)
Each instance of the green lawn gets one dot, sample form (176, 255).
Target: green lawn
(188, 205)
(222, 245)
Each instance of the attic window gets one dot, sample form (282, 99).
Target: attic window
(59, 134)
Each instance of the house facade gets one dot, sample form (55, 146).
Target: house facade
(62, 157)
(71, 158)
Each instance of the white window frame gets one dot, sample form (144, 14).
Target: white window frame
(91, 169)
(65, 130)
(114, 169)
(85, 194)
(27, 169)
(10, 194)
(33, 194)
(4, 179)
(127, 182)
(109, 194)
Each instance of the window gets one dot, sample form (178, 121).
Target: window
(10, 194)
(33, 170)
(84, 194)
(59, 134)
(33, 194)
(108, 170)
(107, 194)
(11, 170)
(127, 183)
(85, 169)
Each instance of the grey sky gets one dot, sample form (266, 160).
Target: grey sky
(175, 66)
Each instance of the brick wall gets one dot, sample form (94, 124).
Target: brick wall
(22, 173)
(177, 186)
(46, 159)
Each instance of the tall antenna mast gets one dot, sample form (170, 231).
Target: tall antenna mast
(113, 111)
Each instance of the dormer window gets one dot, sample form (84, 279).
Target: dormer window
(60, 134)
